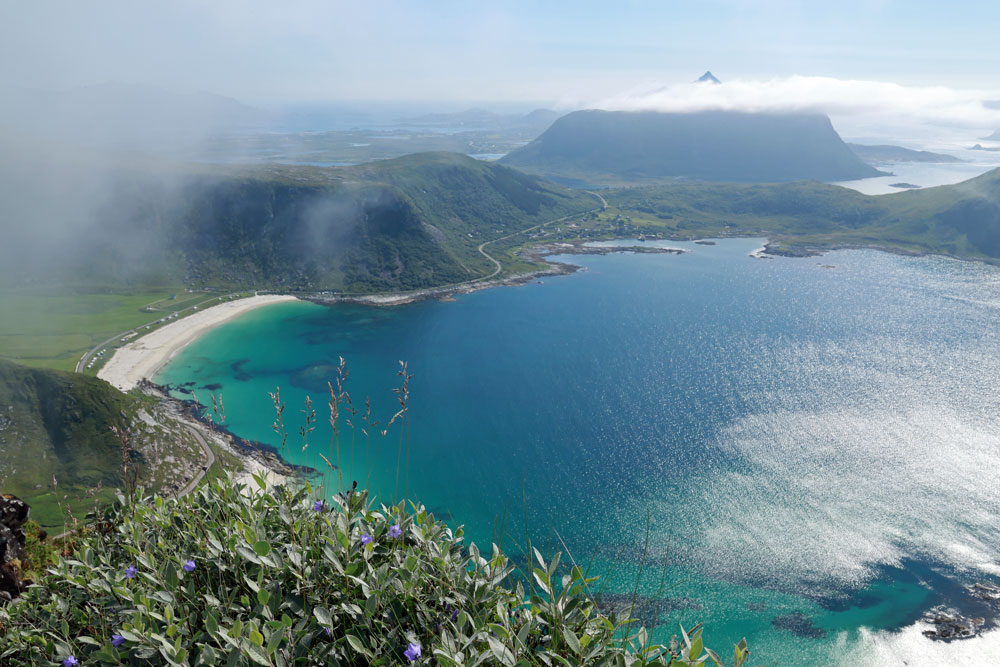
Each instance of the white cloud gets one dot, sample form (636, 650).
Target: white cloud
(838, 98)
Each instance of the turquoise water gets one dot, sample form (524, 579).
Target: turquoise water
(812, 450)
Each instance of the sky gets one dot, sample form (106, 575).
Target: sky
(556, 52)
(881, 69)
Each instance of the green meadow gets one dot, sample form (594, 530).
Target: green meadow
(53, 327)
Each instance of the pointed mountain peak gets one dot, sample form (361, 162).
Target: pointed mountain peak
(707, 77)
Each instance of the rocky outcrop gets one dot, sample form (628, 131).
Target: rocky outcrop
(986, 592)
(13, 558)
(948, 626)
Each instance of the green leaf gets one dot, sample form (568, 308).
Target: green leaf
(357, 645)
(247, 554)
(263, 596)
(256, 638)
(500, 652)
(572, 641)
(274, 641)
(211, 623)
(696, 645)
(740, 653)
(257, 654)
(170, 576)
(207, 656)
(342, 538)
(262, 548)
(322, 615)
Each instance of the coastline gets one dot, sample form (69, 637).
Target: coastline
(143, 357)
(539, 253)
(256, 460)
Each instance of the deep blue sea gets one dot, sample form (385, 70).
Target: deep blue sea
(800, 451)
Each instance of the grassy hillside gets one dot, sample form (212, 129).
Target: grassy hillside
(394, 225)
(56, 425)
(961, 220)
(51, 327)
(57, 450)
(620, 147)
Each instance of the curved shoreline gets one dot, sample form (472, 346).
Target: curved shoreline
(143, 357)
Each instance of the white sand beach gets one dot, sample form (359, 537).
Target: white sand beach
(144, 356)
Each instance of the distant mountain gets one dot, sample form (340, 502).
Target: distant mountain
(993, 137)
(483, 119)
(619, 147)
(877, 154)
(707, 77)
(990, 149)
(126, 116)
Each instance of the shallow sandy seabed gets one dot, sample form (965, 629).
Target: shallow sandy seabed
(143, 357)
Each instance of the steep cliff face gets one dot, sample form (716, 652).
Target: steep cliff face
(603, 146)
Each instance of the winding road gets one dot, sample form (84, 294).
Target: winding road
(604, 205)
(190, 486)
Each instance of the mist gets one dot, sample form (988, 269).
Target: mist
(914, 114)
(105, 102)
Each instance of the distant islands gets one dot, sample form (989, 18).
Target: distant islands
(882, 153)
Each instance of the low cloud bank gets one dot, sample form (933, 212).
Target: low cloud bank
(838, 98)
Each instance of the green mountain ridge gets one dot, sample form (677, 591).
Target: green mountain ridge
(399, 224)
(960, 220)
(635, 147)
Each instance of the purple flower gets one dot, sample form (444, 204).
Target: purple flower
(327, 630)
(73, 662)
(117, 640)
(189, 566)
(412, 651)
(318, 506)
(130, 573)
(366, 539)
(396, 531)
(454, 616)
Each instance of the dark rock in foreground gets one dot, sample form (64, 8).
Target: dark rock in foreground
(13, 513)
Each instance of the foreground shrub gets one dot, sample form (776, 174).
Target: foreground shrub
(233, 575)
